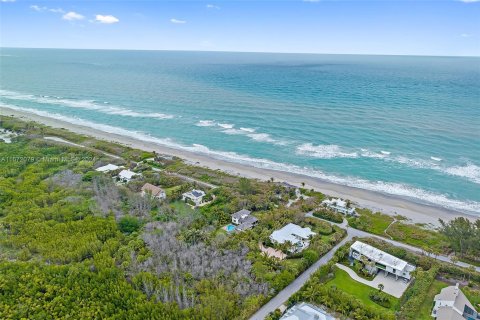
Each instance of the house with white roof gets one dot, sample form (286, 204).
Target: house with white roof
(294, 234)
(452, 304)
(306, 311)
(376, 260)
(109, 167)
(195, 196)
(153, 191)
(339, 205)
(126, 175)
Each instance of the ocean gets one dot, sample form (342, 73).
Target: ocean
(401, 125)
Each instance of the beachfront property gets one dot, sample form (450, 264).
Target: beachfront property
(195, 196)
(297, 236)
(452, 304)
(376, 260)
(339, 205)
(109, 167)
(153, 191)
(306, 311)
(244, 220)
(289, 187)
(126, 175)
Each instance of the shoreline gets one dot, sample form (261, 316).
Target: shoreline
(376, 201)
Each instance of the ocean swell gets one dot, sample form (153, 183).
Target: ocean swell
(397, 189)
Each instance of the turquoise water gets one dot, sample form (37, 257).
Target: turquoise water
(230, 228)
(407, 126)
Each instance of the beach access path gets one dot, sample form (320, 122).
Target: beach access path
(293, 287)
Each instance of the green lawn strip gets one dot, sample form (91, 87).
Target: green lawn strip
(344, 282)
(427, 305)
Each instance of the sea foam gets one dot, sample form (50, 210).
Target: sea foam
(82, 104)
(397, 189)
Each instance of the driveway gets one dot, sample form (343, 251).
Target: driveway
(393, 287)
(293, 287)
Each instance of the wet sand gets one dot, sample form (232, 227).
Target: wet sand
(389, 204)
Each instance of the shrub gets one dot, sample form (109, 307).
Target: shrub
(129, 224)
(380, 298)
(328, 215)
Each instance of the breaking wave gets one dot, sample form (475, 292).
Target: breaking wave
(105, 107)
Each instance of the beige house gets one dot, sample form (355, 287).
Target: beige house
(153, 191)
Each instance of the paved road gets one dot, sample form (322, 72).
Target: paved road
(359, 233)
(293, 287)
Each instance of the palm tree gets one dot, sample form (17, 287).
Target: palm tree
(381, 287)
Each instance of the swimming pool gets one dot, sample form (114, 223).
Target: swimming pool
(230, 228)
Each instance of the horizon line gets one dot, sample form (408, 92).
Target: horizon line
(247, 52)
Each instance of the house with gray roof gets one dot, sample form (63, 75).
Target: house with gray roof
(244, 220)
(452, 304)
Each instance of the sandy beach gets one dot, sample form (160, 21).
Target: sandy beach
(416, 212)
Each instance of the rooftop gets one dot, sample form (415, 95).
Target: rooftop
(291, 232)
(455, 295)
(108, 167)
(194, 193)
(127, 174)
(378, 255)
(154, 190)
(306, 311)
(241, 214)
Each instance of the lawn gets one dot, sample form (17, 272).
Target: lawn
(427, 305)
(361, 291)
(183, 210)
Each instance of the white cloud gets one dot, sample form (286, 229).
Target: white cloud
(176, 21)
(469, 1)
(212, 6)
(58, 10)
(72, 16)
(107, 19)
(37, 8)
(8, 0)
(44, 9)
(465, 35)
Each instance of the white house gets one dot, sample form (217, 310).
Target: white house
(381, 261)
(196, 196)
(294, 234)
(153, 191)
(109, 167)
(306, 311)
(452, 304)
(339, 205)
(126, 175)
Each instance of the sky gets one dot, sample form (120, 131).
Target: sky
(429, 27)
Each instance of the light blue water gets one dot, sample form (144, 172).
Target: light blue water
(407, 126)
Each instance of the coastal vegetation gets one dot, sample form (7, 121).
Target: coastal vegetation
(76, 242)
(335, 290)
(397, 228)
